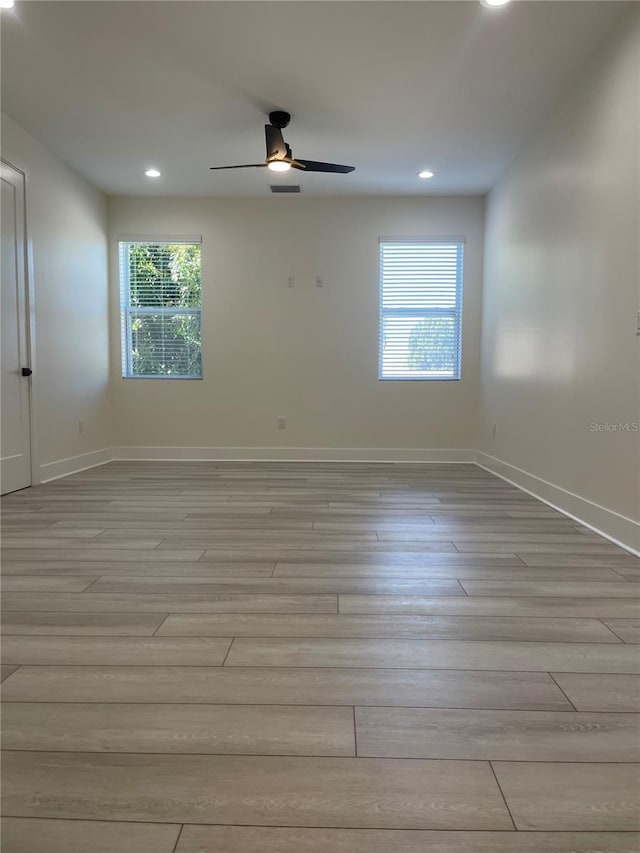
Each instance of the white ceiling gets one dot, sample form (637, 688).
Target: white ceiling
(390, 87)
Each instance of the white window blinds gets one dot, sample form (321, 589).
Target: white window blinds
(420, 309)
(160, 289)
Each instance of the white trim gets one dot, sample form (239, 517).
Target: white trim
(127, 310)
(158, 238)
(292, 454)
(447, 238)
(74, 464)
(386, 312)
(31, 311)
(18, 165)
(617, 528)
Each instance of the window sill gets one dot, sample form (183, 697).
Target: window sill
(419, 378)
(169, 378)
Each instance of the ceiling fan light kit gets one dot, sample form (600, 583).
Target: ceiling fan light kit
(279, 155)
(279, 165)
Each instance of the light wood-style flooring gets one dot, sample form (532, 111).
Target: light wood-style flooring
(314, 658)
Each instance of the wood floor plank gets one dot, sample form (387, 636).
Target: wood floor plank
(518, 589)
(88, 553)
(447, 504)
(236, 839)
(324, 551)
(491, 606)
(69, 504)
(362, 512)
(241, 790)
(627, 629)
(321, 686)
(183, 536)
(13, 543)
(94, 518)
(600, 691)
(488, 572)
(277, 586)
(28, 835)
(436, 513)
(313, 495)
(497, 735)
(6, 670)
(628, 571)
(133, 651)
(47, 583)
(435, 654)
(90, 624)
(525, 547)
(126, 528)
(283, 538)
(141, 569)
(536, 511)
(9, 531)
(588, 558)
(568, 797)
(410, 510)
(104, 602)
(364, 557)
(528, 537)
(419, 627)
(179, 728)
(441, 525)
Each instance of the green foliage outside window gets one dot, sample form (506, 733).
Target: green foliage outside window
(430, 345)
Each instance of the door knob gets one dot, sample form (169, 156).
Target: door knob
(26, 371)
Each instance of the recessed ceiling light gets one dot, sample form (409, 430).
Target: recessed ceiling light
(7, 4)
(491, 4)
(279, 166)
(425, 173)
(152, 173)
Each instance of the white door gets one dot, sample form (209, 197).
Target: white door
(15, 435)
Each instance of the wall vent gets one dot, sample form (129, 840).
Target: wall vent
(283, 188)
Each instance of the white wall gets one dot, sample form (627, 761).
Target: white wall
(67, 229)
(306, 353)
(561, 291)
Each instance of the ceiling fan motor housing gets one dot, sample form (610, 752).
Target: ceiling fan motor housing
(279, 119)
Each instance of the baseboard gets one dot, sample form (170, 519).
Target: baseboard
(74, 464)
(292, 454)
(617, 528)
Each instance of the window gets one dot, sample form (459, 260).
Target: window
(160, 293)
(420, 309)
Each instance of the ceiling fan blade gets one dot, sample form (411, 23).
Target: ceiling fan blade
(276, 146)
(246, 166)
(315, 166)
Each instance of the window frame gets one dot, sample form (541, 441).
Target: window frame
(457, 312)
(124, 280)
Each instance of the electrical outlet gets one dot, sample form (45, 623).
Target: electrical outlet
(494, 428)
(80, 427)
(319, 281)
(282, 423)
(291, 281)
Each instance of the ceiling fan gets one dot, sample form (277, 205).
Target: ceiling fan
(280, 157)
